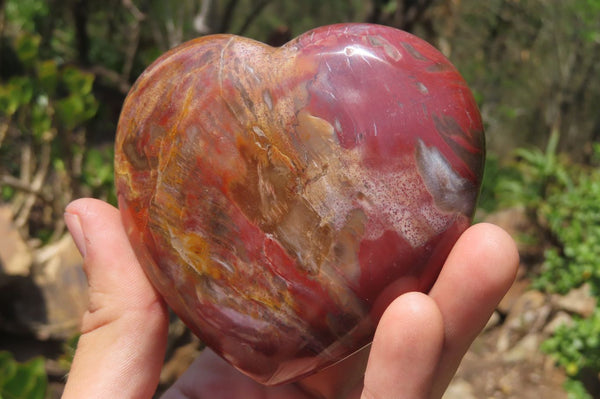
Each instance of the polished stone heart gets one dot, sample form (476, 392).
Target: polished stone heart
(280, 198)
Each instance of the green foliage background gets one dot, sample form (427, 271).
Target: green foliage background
(22, 380)
(533, 65)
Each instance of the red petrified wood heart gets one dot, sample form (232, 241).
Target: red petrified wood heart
(280, 198)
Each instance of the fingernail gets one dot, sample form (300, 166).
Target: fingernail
(74, 224)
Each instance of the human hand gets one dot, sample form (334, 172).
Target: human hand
(418, 344)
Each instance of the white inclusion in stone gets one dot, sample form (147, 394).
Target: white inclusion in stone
(181, 248)
(338, 125)
(253, 73)
(393, 200)
(353, 95)
(422, 88)
(258, 131)
(394, 197)
(225, 266)
(268, 100)
(451, 192)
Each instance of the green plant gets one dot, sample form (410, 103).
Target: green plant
(573, 218)
(577, 349)
(98, 173)
(563, 198)
(536, 175)
(495, 176)
(22, 380)
(44, 108)
(576, 390)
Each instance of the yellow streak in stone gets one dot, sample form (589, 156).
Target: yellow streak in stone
(195, 251)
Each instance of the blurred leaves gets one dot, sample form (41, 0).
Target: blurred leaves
(22, 380)
(577, 349)
(541, 173)
(27, 47)
(534, 64)
(17, 92)
(48, 76)
(23, 14)
(562, 198)
(98, 173)
(75, 105)
(44, 108)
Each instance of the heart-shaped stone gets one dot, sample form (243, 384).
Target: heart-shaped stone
(280, 198)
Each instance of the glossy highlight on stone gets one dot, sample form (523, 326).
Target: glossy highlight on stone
(280, 198)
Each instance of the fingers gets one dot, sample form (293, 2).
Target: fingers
(477, 274)
(406, 349)
(123, 339)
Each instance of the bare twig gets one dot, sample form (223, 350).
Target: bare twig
(26, 156)
(201, 19)
(227, 16)
(3, 130)
(59, 223)
(174, 28)
(410, 13)
(137, 14)
(19, 199)
(134, 34)
(36, 185)
(112, 76)
(80, 17)
(252, 15)
(11, 181)
(159, 37)
(376, 10)
(131, 51)
(2, 27)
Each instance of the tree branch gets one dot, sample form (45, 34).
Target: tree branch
(11, 181)
(113, 77)
(134, 30)
(410, 12)
(81, 35)
(376, 11)
(3, 130)
(200, 21)
(227, 16)
(36, 185)
(252, 16)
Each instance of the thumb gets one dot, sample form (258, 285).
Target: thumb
(121, 349)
